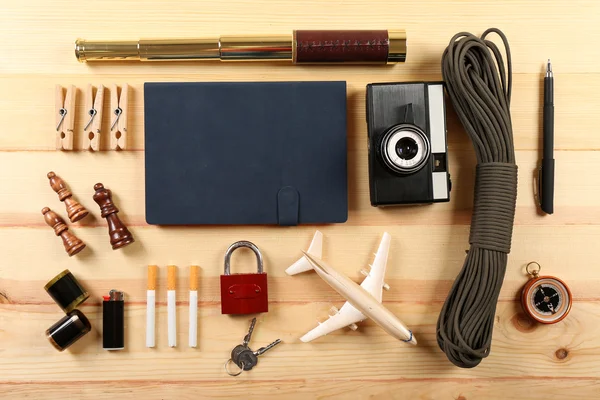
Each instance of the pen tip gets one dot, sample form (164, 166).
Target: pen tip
(549, 66)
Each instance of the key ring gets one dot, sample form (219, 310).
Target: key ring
(533, 272)
(230, 361)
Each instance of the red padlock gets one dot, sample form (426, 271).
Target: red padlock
(244, 293)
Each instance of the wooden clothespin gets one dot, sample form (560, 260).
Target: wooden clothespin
(118, 124)
(93, 120)
(65, 117)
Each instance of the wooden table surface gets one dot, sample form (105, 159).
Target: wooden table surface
(428, 243)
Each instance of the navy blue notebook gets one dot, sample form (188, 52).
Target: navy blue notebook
(245, 153)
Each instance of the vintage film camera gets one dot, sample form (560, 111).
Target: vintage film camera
(408, 161)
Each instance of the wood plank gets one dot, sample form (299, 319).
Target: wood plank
(423, 261)
(301, 389)
(562, 31)
(568, 349)
(29, 100)
(27, 191)
(428, 243)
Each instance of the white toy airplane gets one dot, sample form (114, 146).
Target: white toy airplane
(363, 301)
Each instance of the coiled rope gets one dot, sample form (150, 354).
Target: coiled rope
(479, 87)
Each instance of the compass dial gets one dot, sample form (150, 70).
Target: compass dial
(546, 299)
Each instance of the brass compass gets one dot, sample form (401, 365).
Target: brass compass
(546, 299)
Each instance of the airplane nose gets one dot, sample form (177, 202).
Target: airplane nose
(412, 340)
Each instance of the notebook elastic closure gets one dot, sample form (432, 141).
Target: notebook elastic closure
(288, 206)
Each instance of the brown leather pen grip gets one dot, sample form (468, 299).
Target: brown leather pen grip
(311, 46)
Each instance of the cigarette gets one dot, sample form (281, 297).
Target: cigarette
(151, 306)
(172, 305)
(193, 333)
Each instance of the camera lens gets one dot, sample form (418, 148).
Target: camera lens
(405, 148)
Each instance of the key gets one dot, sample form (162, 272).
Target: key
(263, 350)
(241, 355)
(245, 358)
(250, 358)
(249, 334)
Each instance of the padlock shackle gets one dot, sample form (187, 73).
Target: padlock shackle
(237, 245)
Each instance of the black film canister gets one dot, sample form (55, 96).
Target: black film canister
(68, 330)
(113, 321)
(66, 291)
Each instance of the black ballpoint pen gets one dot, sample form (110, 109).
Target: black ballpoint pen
(546, 188)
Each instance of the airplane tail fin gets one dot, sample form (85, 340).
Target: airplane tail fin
(315, 249)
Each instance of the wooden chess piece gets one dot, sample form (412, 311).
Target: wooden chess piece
(75, 211)
(73, 244)
(118, 232)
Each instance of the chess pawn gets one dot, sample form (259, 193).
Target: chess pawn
(73, 244)
(75, 211)
(118, 232)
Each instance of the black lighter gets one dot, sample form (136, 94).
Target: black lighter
(113, 321)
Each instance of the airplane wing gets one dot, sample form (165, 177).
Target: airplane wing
(374, 283)
(315, 249)
(346, 316)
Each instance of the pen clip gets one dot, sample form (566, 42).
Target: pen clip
(537, 187)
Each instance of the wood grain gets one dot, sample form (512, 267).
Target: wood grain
(520, 348)
(576, 193)
(300, 389)
(428, 242)
(25, 98)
